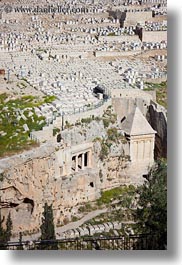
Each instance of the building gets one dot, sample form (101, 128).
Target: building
(141, 137)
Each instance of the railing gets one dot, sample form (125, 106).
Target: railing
(88, 108)
(132, 242)
(83, 109)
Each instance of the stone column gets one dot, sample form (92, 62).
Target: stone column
(89, 157)
(76, 163)
(151, 150)
(144, 144)
(137, 150)
(83, 161)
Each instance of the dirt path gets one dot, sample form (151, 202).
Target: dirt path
(80, 222)
(62, 229)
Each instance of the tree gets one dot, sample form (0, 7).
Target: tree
(9, 226)
(2, 233)
(5, 234)
(47, 227)
(152, 204)
(20, 247)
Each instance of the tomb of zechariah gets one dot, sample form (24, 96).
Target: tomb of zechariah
(92, 151)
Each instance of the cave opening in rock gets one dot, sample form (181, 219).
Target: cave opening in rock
(30, 202)
(91, 184)
(59, 138)
(12, 204)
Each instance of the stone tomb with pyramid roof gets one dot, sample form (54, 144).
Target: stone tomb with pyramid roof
(141, 137)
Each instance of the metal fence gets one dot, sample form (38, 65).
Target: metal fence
(137, 242)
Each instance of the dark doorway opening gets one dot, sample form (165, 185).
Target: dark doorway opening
(73, 166)
(86, 159)
(80, 161)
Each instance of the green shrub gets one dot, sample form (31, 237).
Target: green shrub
(55, 131)
(1, 176)
(112, 134)
(111, 34)
(106, 123)
(97, 118)
(86, 120)
(49, 99)
(104, 151)
(68, 125)
(74, 218)
(97, 139)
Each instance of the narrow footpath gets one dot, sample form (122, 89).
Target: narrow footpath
(62, 229)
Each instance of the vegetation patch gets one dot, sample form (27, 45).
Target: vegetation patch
(68, 125)
(152, 204)
(109, 117)
(111, 34)
(17, 119)
(106, 123)
(104, 151)
(86, 120)
(86, 208)
(115, 194)
(161, 92)
(1, 176)
(56, 131)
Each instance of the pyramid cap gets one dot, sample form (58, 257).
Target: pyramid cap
(136, 124)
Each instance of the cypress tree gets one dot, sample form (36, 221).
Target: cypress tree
(20, 247)
(152, 212)
(2, 234)
(9, 226)
(47, 227)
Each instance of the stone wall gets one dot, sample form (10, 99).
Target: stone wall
(117, 39)
(154, 36)
(97, 112)
(47, 132)
(132, 17)
(124, 106)
(138, 95)
(115, 53)
(133, 93)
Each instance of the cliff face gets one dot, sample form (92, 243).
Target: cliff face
(28, 179)
(28, 184)
(158, 120)
(45, 174)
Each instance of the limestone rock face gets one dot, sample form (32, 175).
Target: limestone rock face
(84, 133)
(27, 186)
(158, 120)
(28, 183)
(66, 174)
